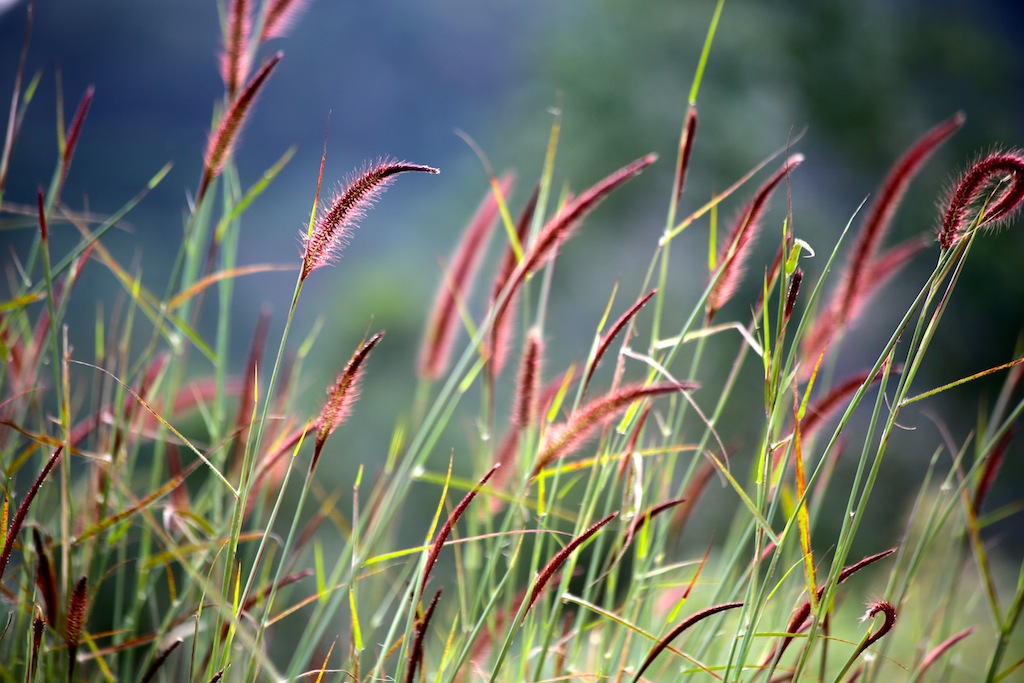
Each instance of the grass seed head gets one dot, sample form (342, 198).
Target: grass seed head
(996, 184)
(334, 225)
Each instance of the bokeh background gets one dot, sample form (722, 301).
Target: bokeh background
(862, 80)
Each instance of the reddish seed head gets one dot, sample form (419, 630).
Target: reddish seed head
(737, 249)
(563, 438)
(942, 648)
(662, 644)
(613, 332)
(794, 291)
(528, 385)
(565, 222)
(888, 613)
(561, 556)
(882, 210)
(76, 622)
(685, 148)
(234, 62)
(342, 396)
(443, 323)
(335, 224)
(996, 183)
(223, 140)
(280, 17)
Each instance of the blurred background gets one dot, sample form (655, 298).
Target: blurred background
(860, 80)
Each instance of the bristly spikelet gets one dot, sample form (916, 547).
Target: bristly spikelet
(76, 622)
(528, 384)
(443, 323)
(554, 233)
(685, 148)
(46, 581)
(74, 131)
(662, 644)
(888, 613)
(234, 61)
(565, 437)
(524, 412)
(280, 17)
(613, 332)
(996, 182)
(218, 150)
(19, 514)
(500, 337)
(342, 396)
(334, 225)
(734, 254)
(545, 574)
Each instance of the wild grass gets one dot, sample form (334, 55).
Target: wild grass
(165, 521)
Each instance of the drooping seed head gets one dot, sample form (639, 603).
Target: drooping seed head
(334, 225)
(888, 613)
(995, 184)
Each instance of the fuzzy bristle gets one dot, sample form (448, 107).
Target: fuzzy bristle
(733, 256)
(1001, 168)
(335, 224)
(224, 137)
(234, 61)
(562, 439)
(76, 622)
(280, 17)
(342, 396)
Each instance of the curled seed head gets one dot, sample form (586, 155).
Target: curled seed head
(995, 184)
(334, 225)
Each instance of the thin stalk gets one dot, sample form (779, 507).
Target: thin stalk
(249, 461)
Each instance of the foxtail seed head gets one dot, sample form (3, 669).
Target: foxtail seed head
(334, 225)
(996, 183)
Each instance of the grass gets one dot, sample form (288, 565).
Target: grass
(164, 521)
